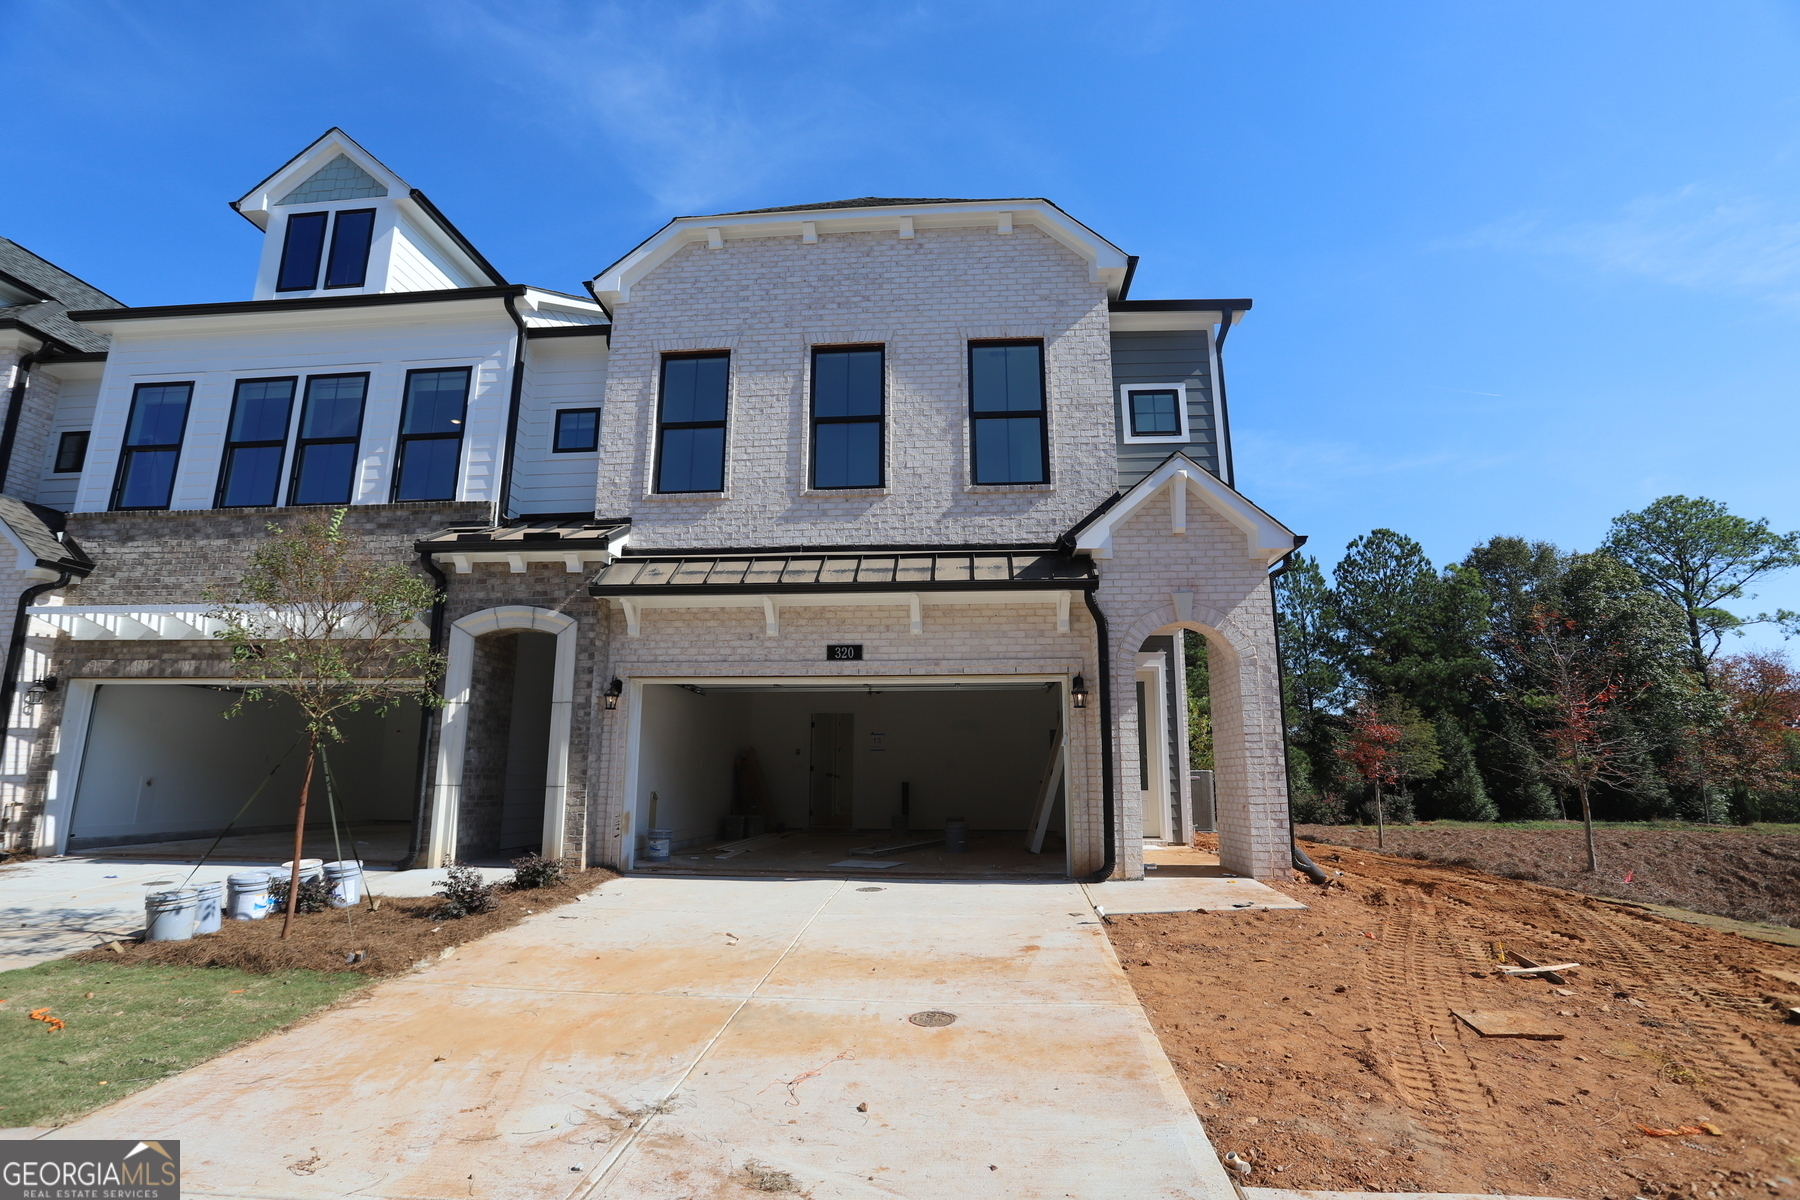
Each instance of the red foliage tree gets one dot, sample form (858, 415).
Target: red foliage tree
(1370, 751)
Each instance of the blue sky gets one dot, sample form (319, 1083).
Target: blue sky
(1517, 267)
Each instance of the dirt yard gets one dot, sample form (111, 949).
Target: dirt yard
(1322, 1044)
(385, 941)
(1735, 873)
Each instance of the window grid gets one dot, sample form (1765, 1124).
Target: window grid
(691, 411)
(577, 431)
(256, 443)
(849, 415)
(152, 448)
(431, 434)
(324, 470)
(1007, 413)
(71, 452)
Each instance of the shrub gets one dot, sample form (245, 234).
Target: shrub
(1313, 808)
(315, 895)
(536, 871)
(464, 894)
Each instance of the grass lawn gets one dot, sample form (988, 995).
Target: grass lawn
(128, 1026)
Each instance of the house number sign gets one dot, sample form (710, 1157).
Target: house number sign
(843, 653)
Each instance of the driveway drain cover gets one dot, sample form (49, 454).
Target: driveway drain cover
(871, 889)
(932, 1019)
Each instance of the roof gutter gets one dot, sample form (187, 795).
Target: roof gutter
(1108, 802)
(1225, 319)
(503, 501)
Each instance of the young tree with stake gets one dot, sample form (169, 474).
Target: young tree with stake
(319, 619)
(1370, 747)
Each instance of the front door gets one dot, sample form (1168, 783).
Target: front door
(830, 806)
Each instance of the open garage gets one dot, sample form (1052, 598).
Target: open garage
(789, 777)
(163, 762)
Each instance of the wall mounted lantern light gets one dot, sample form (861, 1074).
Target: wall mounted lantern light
(613, 691)
(39, 691)
(1078, 692)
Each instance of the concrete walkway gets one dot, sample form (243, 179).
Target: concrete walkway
(671, 1037)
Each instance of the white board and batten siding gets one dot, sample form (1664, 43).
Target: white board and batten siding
(384, 343)
(561, 372)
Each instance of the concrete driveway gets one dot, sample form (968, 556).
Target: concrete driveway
(671, 1037)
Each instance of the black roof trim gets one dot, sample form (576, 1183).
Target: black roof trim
(533, 332)
(39, 528)
(50, 360)
(230, 307)
(1086, 583)
(854, 548)
(456, 235)
(1131, 262)
(1178, 306)
(863, 202)
(1066, 543)
(48, 340)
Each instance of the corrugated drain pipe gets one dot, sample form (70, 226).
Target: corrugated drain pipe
(1297, 856)
(427, 720)
(1109, 820)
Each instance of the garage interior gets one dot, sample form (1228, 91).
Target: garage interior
(163, 766)
(793, 778)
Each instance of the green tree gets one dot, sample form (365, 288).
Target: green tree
(1698, 555)
(1408, 630)
(1518, 576)
(318, 618)
(1313, 681)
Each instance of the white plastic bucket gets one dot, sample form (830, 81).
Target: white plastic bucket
(169, 916)
(247, 897)
(657, 844)
(345, 879)
(209, 901)
(310, 868)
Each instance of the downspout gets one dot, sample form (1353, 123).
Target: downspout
(427, 720)
(1297, 856)
(503, 501)
(9, 435)
(1108, 820)
(1219, 389)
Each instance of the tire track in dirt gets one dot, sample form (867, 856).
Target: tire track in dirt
(1413, 978)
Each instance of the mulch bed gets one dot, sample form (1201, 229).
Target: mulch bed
(394, 937)
(1730, 872)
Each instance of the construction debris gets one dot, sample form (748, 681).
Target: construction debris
(1546, 972)
(893, 848)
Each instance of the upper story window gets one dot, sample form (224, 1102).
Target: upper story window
(577, 430)
(1154, 412)
(431, 433)
(71, 452)
(152, 445)
(303, 250)
(690, 423)
(1006, 412)
(256, 442)
(847, 417)
(325, 454)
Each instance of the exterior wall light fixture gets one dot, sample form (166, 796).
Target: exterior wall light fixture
(613, 691)
(38, 691)
(1078, 692)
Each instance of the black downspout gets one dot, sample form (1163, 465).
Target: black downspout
(1107, 818)
(15, 648)
(9, 435)
(503, 501)
(1219, 390)
(427, 718)
(1296, 855)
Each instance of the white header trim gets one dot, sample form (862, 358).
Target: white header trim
(1265, 538)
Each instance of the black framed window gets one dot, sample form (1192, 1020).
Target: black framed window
(1006, 412)
(256, 442)
(325, 452)
(577, 430)
(1155, 412)
(152, 445)
(71, 452)
(431, 431)
(847, 417)
(351, 232)
(690, 428)
(301, 252)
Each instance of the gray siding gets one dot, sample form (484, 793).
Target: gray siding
(1173, 357)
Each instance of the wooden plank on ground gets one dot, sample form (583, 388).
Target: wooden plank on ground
(1504, 1023)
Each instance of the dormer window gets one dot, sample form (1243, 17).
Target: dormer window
(352, 233)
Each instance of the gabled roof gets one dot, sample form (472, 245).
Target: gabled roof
(336, 167)
(859, 202)
(1107, 264)
(35, 534)
(1265, 538)
(51, 292)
